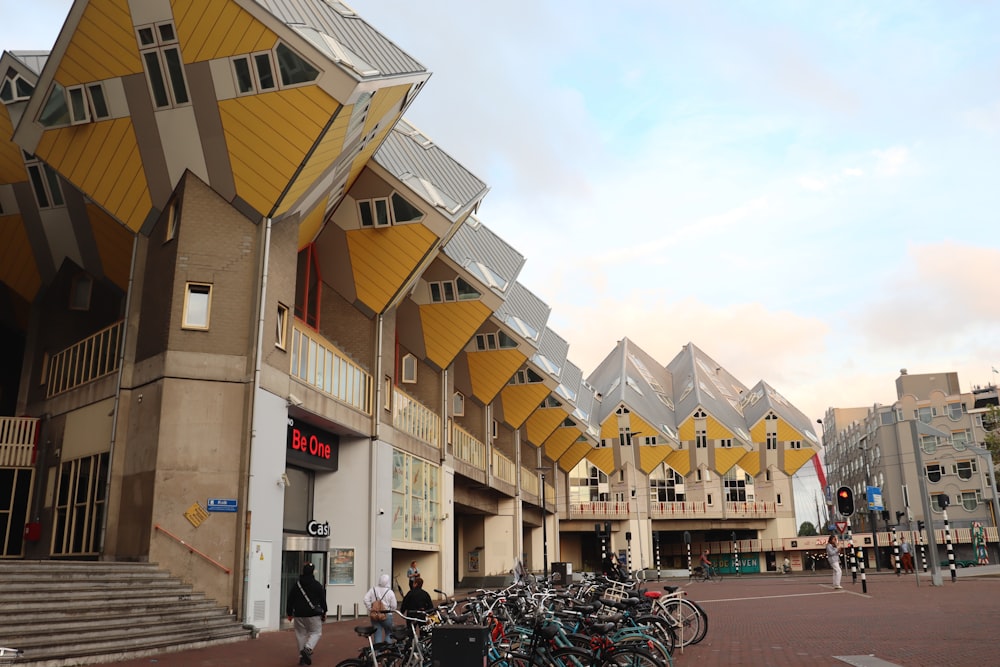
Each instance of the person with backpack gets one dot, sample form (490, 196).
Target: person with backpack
(306, 606)
(380, 602)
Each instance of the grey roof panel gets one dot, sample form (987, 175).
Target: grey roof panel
(552, 348)
(476, 248)
(524, 312)
(33, 60)
(430, 172)
(367, 51)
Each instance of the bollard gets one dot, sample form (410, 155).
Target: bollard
(736, 557)
(849, 540)
(895, 552)
(339, 617)
(861, 567)
(690, 569)
(656, 543)
(923, 551)
(951, 552)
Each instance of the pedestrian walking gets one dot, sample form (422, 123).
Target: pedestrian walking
(907, 554)
(412, 573)
(417, 602)
(380, 602)
(833, 557)
(306, 608)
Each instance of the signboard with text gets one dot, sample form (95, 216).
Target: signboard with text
(310, 446)
(874, 494)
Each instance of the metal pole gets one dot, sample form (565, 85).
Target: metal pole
(850, 549)
(923, 552)
(545, 535)
(947, 540)
(690, 569)
(656, 546)
(895, 550)
(628, 550)
(925, 501)
(861, 567)
(736, 553)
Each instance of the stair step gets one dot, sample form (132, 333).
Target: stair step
(105, 612)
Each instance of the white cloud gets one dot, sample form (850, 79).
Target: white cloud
(891, 160)
(853, 171)
(985, 119)
(812, 183)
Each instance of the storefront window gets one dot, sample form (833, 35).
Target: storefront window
(416, 505)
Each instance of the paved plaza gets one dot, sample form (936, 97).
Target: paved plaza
(772, 620)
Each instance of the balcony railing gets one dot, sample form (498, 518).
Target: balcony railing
(413, 417)
(684, 508)
(85, 361)
(467, 448)
(319, 363)
(529, 481)
(17, 441)
(751, 509)
(598, 510)
(503, 468)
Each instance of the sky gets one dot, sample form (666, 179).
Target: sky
(806, 191)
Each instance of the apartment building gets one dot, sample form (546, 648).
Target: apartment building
(933, 430)
(253, 319)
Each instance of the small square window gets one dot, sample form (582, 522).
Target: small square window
(197, 306)
(281, 327)
(173, 221)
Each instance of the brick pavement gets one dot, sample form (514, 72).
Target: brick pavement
(771, 620)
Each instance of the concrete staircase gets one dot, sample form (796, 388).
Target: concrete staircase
(66, 613)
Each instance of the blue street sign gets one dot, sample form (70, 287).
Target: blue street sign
(874, 494)
(222, 504)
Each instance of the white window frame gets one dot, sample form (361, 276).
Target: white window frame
(408, 369)
(197, 288)
(458, 404)
(281, 327)
(43, 176)
(159, 48)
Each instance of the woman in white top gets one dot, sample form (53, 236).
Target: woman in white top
(383, 592)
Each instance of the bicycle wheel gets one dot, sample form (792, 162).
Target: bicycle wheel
(703, 622)
(511, 660)
(661, 629)
(648, 644)
(684, 618)
(567, 656)
(630, 656)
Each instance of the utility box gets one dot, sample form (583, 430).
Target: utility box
(453, 645)
(562, 573)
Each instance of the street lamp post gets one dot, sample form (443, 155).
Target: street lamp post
(545, 532)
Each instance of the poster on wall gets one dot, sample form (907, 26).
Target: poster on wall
(341, 567)
(473, 561)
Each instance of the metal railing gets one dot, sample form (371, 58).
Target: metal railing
(663, 510)
(190, 548)
(598, 509)
(413, 417)
(467, 448)
(85, 361)
(320, 364)
(17, 441)
(751, 508)
(503, 468)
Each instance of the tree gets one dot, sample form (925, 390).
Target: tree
(991, 424)
(807, 529)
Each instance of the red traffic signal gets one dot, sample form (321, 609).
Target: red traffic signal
(845, 501)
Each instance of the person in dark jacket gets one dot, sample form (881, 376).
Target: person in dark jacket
(306, 606)
(417, 602)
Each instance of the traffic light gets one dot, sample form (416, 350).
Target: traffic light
(920, 526)
(943, 501)
(845, 501)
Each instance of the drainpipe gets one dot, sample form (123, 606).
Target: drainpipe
(373, 444)
(241, 594)
(118, 391)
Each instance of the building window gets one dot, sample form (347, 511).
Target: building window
(307, 287)
(666, 485)
(772, 441)
(408, 367)
(446, 291)
(700, 439)
(80, 289)
(255, 73)
(197, 306)
(935, 506)
(795, 444)
(416, 505)
(955, 411)
(906, 496)
(778, 498)
(726, 443)
(970, 500)
(15, 88)
(458, 404)
(928, 443)
(735, 485)
(281, 327)
(493, 341)
(965, 469)
(960, 439)
(934, 472)
(708, 500)
(378, 212)
(87, 103)
(161, 57)
(55, 111)
(44, 182)
(173, 220)
(525, 376)
(924, 414)
(387, 393)
(587, 483)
